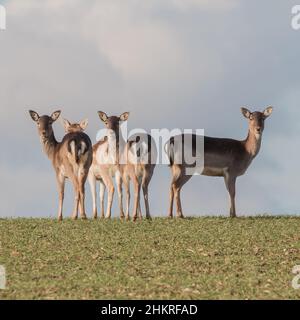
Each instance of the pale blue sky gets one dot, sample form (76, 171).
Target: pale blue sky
(173, 63)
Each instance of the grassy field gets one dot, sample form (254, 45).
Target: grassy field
(198, 258)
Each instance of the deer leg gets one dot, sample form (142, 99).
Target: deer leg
(171, 200)
(145, 185)
(120, 193)
(230, 185)
(61, 189)
(136, 188)
(92, 182)
(127, 190)
(82, 180)
(177, 185)
(76, 199)
(110, 189)
(140, 209)
(102, 193)
(176, 172)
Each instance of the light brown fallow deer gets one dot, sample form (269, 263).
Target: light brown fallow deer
(107, 164)
(140, 156)
(71, 158)
(226, 158)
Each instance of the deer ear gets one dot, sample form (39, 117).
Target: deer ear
(34, 115)
(246, 113)
(124, 116)
(103, 116)
(66, 124)
(83, 124)
(267, 112)
(54, 116)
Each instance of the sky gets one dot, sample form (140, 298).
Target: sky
(172, 64)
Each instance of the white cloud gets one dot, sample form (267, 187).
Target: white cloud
(174, 63)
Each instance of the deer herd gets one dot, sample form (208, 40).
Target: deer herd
(114, 158)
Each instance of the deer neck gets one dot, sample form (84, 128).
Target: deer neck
(116, 144)
(252, 144)
(49, 145)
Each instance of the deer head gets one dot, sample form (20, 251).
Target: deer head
(256, 120)
(75, 127)
(44, 123)
(113, 122)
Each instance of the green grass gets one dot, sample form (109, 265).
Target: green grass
(198, 258)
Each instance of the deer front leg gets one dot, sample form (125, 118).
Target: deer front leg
(136, 188)
(230, 185)
(61, 188)
(110, 190)
(92, 183)
(101, 195)
(120, 193)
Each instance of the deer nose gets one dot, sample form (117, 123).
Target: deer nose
(44, 132)
(258, 129)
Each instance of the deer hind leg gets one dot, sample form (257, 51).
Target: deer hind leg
(76, 199)
(120, 193)
(101, 194)
(230, 185)
(82, 180)
(136, 188)
(92, 182)
(140, 209)
(61, 190)
(179, 179)
(176, 172)
(127, 191)
(145, 184)
(171, 201)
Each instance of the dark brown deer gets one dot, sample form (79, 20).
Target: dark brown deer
(71, 158)
(225, 158)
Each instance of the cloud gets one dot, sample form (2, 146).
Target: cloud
(174, 63)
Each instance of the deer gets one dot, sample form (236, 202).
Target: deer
(115, 157)
(106, 164)
(140, 152)
(227, 158)
(71, 158)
